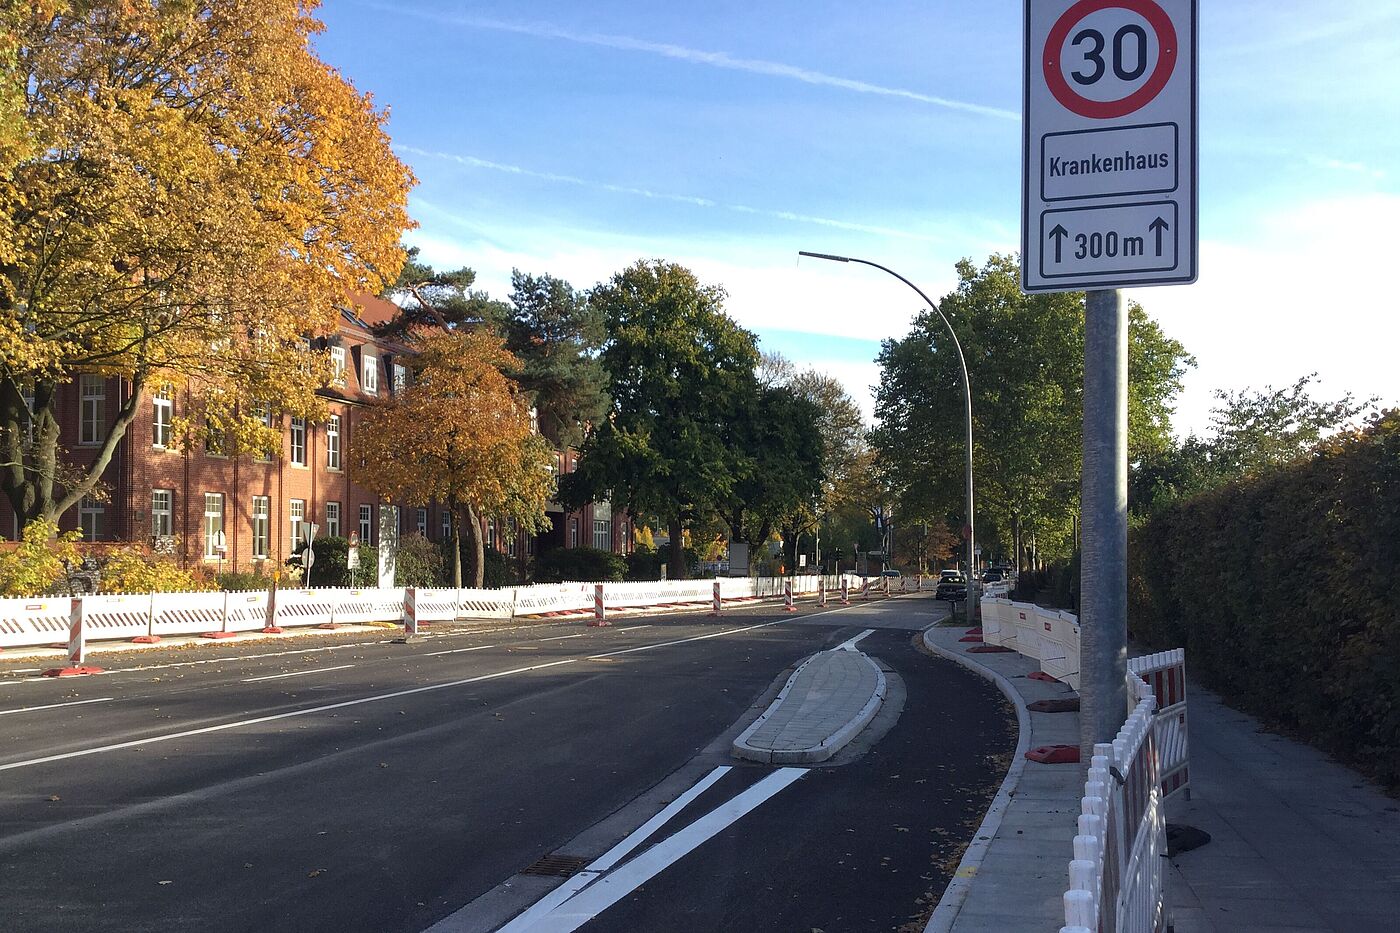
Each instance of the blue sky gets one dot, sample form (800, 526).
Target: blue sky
(575, 138)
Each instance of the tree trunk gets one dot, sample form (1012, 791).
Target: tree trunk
(790, 539)
(456, 514)
(476, 541)
(677, 570)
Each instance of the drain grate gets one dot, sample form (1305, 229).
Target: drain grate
(556, 865)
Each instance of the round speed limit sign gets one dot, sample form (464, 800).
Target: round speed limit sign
(1105, 59)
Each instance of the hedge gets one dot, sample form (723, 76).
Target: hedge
(579, 563)
(1283, 589)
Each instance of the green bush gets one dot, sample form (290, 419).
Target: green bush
(1281, 589)
(329, 568)
(418, 562)
(235, 581)
(1055, 587)
(643, 564)
(580, 563)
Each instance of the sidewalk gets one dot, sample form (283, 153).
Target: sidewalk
(1299, 844)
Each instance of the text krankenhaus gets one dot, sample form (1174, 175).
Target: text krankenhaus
(1096, 165)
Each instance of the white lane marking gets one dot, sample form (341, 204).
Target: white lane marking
(611, 888)
(562, 637)
(629, 628)
(616, 854)
(314, 670)
(607, 860)
(850, 643)
(433, 654)
(151, 740)
(32, 709)
(682, 641)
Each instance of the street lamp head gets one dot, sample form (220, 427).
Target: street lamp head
(827, 256)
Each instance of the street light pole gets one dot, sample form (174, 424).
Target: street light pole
(967, 398)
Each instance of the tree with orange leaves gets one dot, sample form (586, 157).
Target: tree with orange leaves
(459, 434)
(186, 193)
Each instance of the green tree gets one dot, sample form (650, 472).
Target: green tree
(431, 298)
(556, 333)
(679, 371)
(1025, 356)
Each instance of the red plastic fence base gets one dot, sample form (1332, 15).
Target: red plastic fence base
(329, 625)
(1064, 705)
(988, 649)
(1055, 754)
(272, 630)
(976, 638)
(1041, 675)
(597, 624)
(71, 671)
(975, 631)
(146, 640)
(219, 635)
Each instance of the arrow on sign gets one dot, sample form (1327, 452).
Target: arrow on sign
(1157, 226)
(1058, 233)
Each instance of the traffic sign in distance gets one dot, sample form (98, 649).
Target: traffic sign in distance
(1109, 144)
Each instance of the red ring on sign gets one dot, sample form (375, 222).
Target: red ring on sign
(1161, 24)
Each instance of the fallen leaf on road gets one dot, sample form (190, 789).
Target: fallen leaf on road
(54, 798)
(315, 872)
(383, 764)
(165, 882)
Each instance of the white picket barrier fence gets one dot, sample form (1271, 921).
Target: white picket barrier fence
(1116, 876)
(37, 620)
(44, 620)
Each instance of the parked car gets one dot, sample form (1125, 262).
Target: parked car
(993, 575)
(951, 576)
(890, 573)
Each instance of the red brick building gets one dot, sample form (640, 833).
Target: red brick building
(181, 500)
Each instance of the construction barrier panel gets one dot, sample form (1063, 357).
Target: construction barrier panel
(1165, 674)
(187, 613)
(37, 620)
(304, 607)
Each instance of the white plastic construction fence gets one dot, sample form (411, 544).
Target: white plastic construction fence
(1115, 879)
(46, 620)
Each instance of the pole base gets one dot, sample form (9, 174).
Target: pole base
(219, 635)
(146, 640)
(71, 671)
(272, 630)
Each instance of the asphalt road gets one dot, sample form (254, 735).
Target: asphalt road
(352, 784)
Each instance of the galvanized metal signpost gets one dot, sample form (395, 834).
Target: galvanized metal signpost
(1108, 189)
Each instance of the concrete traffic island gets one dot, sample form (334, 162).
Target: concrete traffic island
(823, 706)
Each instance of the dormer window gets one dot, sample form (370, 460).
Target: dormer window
(369, 373)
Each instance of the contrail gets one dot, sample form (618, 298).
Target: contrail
(474, 162)
(702, 57)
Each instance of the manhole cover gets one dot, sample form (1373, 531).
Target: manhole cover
(556, 865)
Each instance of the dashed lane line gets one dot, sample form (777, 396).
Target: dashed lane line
(35, 709)
(314, 670)
(223, 727)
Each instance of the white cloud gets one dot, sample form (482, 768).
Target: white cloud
(704, 57)
(1310, 292)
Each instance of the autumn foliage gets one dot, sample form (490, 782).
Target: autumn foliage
(459, 434)
(187, 192)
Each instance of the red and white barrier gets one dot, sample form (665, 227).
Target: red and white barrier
(787, 596)
(715, 603)
(600, 606)
(410, 611)
(1165, 674)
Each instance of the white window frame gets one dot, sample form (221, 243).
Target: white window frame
(296, 517)
(366, 523)
(213, 523)
(369, 372)
(422, 522)
(400, 377)
(338, 366)
(333, 519)
(90, 515)
(162, 414)
(602, 534)
(162, 512)
(92, 408)
(445, 517)
(297, 443)
(333, 443)
(573, 532)
(262, 527)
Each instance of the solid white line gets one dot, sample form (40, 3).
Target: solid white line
(612, 888)
(31, 709)
(562, 637)
(314, 670)
(850, 643)
(616, 854)
(578, 882)
(134, 743)
(433, 654)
